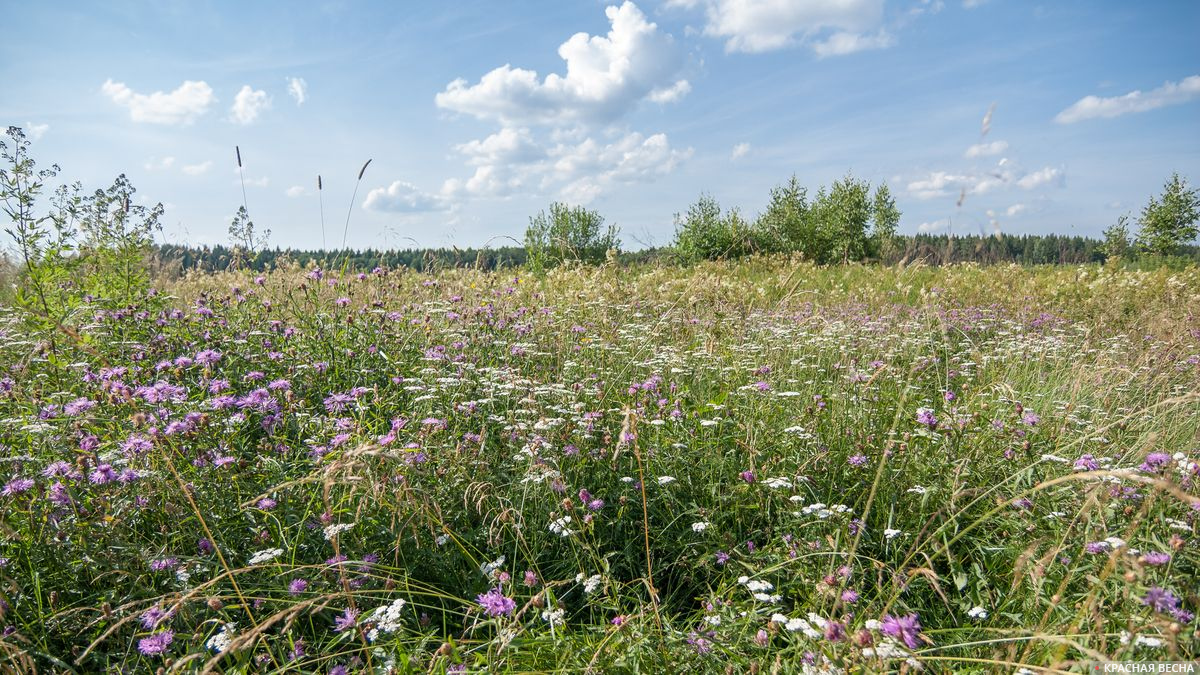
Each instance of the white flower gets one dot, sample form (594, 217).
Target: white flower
(892, 534)
(554, 617)
(265, 556)
(977, 613)
(759, 585)
(560, 527)
(387, 618)
(442, 539)
(334, 530)
(666, 480)
(700, 526)
(592, 583)
(220, 641)
(917, 489)
(767, 598)
(778, 482)
(487, 568)
(713, 620)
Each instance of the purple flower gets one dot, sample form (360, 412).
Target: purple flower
(154, 616)
(1155, 461)
(926, 417)
(722, 557)
(208, 357)
(530, 578)
(16, 486)
(903, 628)
(1086, 463)
(1030, 419)
(348, 620)
(156, 644)
(164, 564)
(494, 603)
(1156, 558)
(747, 476)
(849, 596)
(1160, 600)
(858, 460)
(298, 586)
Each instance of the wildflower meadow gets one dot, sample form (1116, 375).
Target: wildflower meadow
(760, 466)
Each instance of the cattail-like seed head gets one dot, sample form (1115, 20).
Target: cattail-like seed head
(364, 169)
(318, 181)
(239, 155)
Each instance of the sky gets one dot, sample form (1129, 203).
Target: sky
(982, 116)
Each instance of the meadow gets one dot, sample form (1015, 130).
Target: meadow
(761, 466)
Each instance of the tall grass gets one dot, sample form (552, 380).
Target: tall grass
(752, 467)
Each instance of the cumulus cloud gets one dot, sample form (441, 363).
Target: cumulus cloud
(35, 131)
(606, 76)
(295, 191)
(593, 167)
(1015, 210)
(248, 105)
(402, 197)
(1171, 93)
(507, 146)
(298, 89)
(578, 171)
(765, 25)
(1044, 176)
(986, 149)
(182, 106)
(740, 150)
(932, 226)
(160, 164)
(842, 43)
(196, 169)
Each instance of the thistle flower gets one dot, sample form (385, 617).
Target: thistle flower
(494, 602)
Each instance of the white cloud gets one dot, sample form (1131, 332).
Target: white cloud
(298, 89)
(402, 197)
(740, 150)
(507, 146)
(160, 164)
(764, 25)
(35, 131)
(1015, 210)
(972, 4)
(938, 184)
(295, 191)
(248, 105)
(180, 107)
(196, 169)
(932, 226)
(592, 168)
(672, 93)
(1045, 176)
(606, 76)
(261, 182)
(842, 43)
(1171, 93)
(986, 149)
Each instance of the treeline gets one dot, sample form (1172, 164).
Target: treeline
(940, 249)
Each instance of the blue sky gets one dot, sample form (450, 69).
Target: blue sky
(478, 114)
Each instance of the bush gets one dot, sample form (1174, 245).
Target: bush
(704, 233)
(569, 233)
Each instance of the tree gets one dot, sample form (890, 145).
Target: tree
(1116, 246)
(569, 233)
(787, 224)
(844, 214)
(1169, 222)
(885, 219)
(246, 243)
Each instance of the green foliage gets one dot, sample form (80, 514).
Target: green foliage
(833, 227)
(705, 233)
(1117, 247)
(246, 243)
(43, 241)
(569, 233)
(1169, 221)
(116, 239)
(85, 248)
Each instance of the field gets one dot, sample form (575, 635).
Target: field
(761, 466)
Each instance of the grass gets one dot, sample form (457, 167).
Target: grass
(752, 467)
